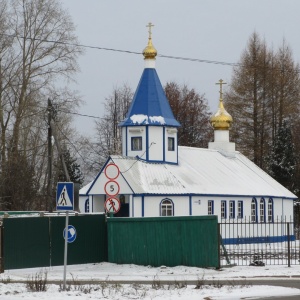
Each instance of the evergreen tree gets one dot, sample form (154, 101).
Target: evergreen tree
(282, 160)
(73, 168)
(18, 185)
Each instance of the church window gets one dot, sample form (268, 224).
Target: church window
(136, 143)
(232, 209)
(270, 210)
(87, 205)
(223, 209)
(166, 207)
(171, 144)
(253, 210)
(210, 210)
(262, 218)
(240, 213)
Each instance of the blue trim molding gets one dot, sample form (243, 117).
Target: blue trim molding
(258, 240)
(147, 143)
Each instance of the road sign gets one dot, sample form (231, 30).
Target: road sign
(111, 188)
(65, 196)
(112, 205)
(72, 234)
(112, 171)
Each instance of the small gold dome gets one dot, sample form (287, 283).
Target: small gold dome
(149, 52)
(222, 120)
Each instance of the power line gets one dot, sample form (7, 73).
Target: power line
(123, 51)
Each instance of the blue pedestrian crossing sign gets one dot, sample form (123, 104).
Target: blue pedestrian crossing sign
(65, 196)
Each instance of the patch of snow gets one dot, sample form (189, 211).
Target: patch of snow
(145, 120)
(157, 119)
(109, 273)
(139, 119)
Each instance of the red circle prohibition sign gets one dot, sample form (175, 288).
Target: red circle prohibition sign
(112, 205)
(111, 188)
(111, 171)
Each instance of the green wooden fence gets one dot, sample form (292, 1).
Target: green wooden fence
(170, 241)
(38, 241)
(29, 242)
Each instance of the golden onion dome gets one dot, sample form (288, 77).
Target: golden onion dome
(150, 52)
(222, 120)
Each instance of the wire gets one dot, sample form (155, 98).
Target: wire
(123, 51)
(77, 151)
(138, 158)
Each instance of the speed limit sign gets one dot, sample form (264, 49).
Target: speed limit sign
(111, 188)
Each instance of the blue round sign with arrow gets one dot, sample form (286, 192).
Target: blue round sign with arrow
(72, 234)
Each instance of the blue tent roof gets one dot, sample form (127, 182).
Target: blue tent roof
(150, 105)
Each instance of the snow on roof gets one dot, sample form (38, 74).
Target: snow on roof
(200, 171)
(145, 120)
(150, 104)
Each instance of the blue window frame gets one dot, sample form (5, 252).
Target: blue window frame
(87, 205)
(171, 144)
(223, 209)
(240, 210)
(210, 207)
(166, 207)
(231, 209)
(270, 211)
(136, 143)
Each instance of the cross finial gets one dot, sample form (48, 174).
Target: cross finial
(221, 82)
(150, 25)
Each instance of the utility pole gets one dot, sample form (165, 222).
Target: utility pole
(52, 133)
(49, 185)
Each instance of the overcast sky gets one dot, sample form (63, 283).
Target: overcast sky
(214, 30)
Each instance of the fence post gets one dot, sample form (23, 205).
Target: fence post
(289, 246)
(1, 248)
(219, 250)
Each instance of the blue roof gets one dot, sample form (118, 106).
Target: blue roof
(150, 105)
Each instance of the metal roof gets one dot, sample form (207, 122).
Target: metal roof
(202, 172)
(150, 105)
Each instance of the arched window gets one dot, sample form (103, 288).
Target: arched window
(270, 211)
(262, 214)
(253, 210)
(87, 205)
(166, 207)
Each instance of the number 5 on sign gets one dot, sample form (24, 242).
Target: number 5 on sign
(111, 188)
(112, 205)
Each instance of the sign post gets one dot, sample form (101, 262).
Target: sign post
(65, 202)
(66, 249)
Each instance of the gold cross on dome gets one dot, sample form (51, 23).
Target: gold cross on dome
(150, 25)
(221, 82)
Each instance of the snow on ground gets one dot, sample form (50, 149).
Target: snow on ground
(155, 289)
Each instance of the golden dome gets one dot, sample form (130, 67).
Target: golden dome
(222, 120)
(149, 52)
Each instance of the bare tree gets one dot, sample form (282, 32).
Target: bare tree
(108, 135)
(191, 111)
(263, 92)
(38, 52)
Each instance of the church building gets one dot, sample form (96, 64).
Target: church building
(156, 177)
